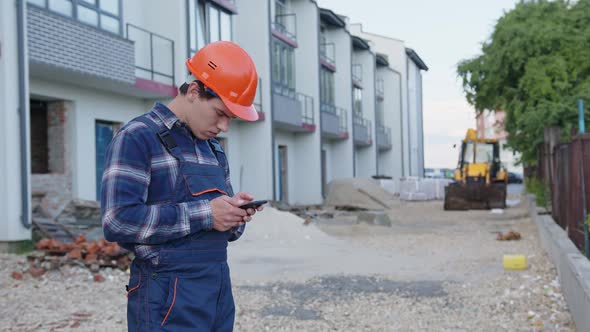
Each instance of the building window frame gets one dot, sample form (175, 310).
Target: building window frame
(327, 91)
(94, 6)
(357, 94)
(283, 71)
(199, 33)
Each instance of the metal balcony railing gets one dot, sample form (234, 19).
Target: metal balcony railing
(364, 125)
(357, 73)
(285, 22)
(154, 55)
(328, 53)
(327, 107)
(383, 136)
(307, 112)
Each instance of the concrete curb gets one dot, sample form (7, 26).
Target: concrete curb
(572, 267)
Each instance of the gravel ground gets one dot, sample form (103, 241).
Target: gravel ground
(450, 279)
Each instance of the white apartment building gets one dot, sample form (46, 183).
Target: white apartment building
(407, 125)
(332, 103)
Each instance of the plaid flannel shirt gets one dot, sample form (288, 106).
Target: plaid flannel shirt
(137, 161)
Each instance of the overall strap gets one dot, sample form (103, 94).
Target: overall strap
(165, 137)
(218, 150)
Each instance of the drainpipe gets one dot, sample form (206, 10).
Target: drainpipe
(271, 113)
(401, 120)
(23, 119)
(408, 117)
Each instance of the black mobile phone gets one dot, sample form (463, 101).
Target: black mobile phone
(253, 205)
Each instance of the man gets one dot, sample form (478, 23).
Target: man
(166, 196)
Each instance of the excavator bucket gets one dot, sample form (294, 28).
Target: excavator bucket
(475, 196)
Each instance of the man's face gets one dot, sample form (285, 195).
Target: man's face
(206, 118)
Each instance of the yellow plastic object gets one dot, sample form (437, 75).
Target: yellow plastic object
(514, 262)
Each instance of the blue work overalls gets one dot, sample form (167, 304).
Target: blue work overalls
(189, 289)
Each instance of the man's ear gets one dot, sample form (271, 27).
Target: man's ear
(193, 91)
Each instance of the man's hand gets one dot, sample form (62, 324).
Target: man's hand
(226, 213)
(248, 198)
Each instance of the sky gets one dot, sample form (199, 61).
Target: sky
(442, 33)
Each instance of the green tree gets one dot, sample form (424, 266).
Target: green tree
(535, 66)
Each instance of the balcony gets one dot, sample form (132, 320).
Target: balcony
(362, 131)
(380, 89)
(294, 114)
(257, 104)
(154, 59)
(383, 137)
(357, 75)
(139, 65)
(334, 122)
(284, 26)
(328, 56)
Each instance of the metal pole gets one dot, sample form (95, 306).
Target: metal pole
(582, 131)
(582, 124)
(152, 54)
(23, 100)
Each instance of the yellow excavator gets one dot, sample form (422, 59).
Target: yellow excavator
(480, 180)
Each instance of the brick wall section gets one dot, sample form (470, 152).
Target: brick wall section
(65, 43)
(56, 120)
(53, 191)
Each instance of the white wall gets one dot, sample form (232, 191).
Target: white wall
(415, 119)
(340, 153)
(366, 157)
(396, 52)
(11, 170)
(387, 162)
(250, 144)
(88, 106)
(397, 128)
(307, 146)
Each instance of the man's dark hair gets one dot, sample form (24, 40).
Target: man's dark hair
(203, 94)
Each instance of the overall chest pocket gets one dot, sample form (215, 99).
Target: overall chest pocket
(205, 179)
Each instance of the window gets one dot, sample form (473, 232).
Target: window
(103, 14)
(207, 23)
(213, 24)
(326, 88)
(104, 133)
(283, 69)
(357, 95)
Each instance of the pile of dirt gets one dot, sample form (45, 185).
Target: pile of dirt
(358, 194)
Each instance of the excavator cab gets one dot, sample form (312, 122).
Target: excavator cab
(480, 178)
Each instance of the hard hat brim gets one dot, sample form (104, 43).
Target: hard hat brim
(247, 113)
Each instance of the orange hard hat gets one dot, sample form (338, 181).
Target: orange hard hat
(226, 69)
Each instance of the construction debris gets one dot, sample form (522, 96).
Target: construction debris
(379, 218)
(358, 194)
(52, 254)
(47, 228)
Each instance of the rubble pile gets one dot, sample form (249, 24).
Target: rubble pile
(51, 254)
(358, 194)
